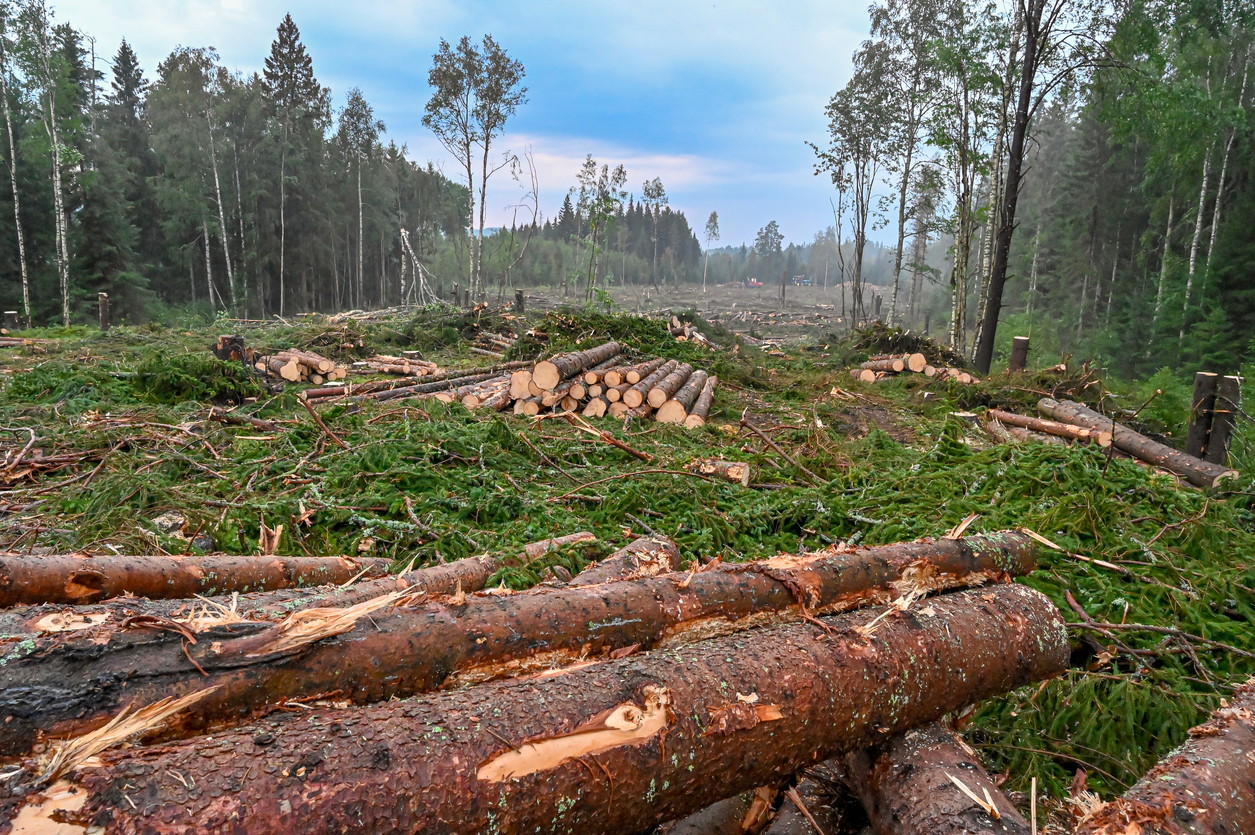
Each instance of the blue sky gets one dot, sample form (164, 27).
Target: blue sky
(717, 99)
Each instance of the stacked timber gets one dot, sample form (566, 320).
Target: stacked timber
(492, 345)
(879, 368)
(296, 366)
(402, 366)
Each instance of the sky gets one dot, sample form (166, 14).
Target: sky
(717, 99)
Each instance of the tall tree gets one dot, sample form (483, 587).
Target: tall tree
(654, 197)
(359, 134)
(5, 14)
(712, 234)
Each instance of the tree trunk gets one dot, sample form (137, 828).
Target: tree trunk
(1224, 420)
(676, 410)
(26, 579)
(222, 216)
(634, 374)
(662, 390)
(907, 785)
(897, 260)
(1163, 264)
(644, 557)
(637, 395)
(399, 652)
(736, 472)
(511, 758)
(697, 415)
(361, 287)
(1202, 407)
(1198, 234)
(1205, 787)
(1102, 437)
(283, 222)
(209, 274)
(548, 373)
(17, 203)
(1196, 472)
(58, 197)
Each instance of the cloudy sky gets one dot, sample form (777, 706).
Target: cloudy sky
(716, 98)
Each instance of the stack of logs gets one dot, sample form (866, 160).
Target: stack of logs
(403, 366)
(685, 332)
(878, 368)
(1069, 422)
(297, 366)
(492, 345)
(636, 694)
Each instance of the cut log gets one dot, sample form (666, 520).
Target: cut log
(570, 404)
(596, 407)
(676, 409)
(613, 377)
(734, 471)
(615, 393)
(701, 408)
(578, 390)
(637, 373)
(484, 352)
(662, 391)
(930, 371)
(532, 406)
(1002, 433)
(596, 390)
(1196, 472)
(916, 362)
(404, 651)
(1203, 406)
(1052, 427)
(892, 365)
(510, 758)
(422, 389)
(908, 787)
(1224, 420)
(1205, 787)
(308, 360)
(636, 395)
(548, 373)
(643, 557)
(518, 383)
(863, 375)
(617, 409)
(535, 550)
(27, 579)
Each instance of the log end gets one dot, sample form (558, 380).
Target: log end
(657, 397)
(916, 362)
(694, 421)
(671, 411)
(633, 398)
(546, 375)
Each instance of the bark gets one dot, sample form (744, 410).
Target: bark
(1196, 472)
(17, 203)
(1202, 407)
(1101, 437)
(61, 687)
(1224, 420)
(27, 579)
(676, 409)
(743, 814)
(92, 621)
(1205, 787)
(701, 409)
(512, 758)
(1002, 433)
(536, 550)
(669, 385)
(222, 216)
(644, 557)
(907, 787)
(816, 796)
(1019, 352)
(637, 373)
(548, 373)
(1198, 234)
(1163, 263)
(638, 393)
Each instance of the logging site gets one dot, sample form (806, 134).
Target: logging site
(608, 419)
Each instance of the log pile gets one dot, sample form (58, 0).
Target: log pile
(558, 709)
(881, 367)
(685, 332)
(296, 366)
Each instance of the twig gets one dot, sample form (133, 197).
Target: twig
(629, 475)
(547, 459)
(583, 425)
(793, 795)
(746, 423)
(318, 420)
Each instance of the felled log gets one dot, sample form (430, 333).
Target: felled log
(548, 373)
(637, 394)
(669, 385)
(536, 550)
(742, 814)
(676, 409)
(596, 407)
(1002, 433)
(892, 365)
(518, 383)
(736, 472)
(409, 650)
(1202, 407)
(511, 758)
(484, 352)
(1205, 787)
(864, 375)
(910, 785)
(1102, 437)
(643, 557)
(27, 579)
(637, 373)
(701, 408)
(1196, 472)
(91, 621)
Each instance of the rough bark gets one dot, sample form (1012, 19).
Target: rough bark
(893, 365)
(60, 687)
(27, 579)
(1019, 352)
(1196, 472)
(644, 557)
(1101, 437)
(636, 395)
(676, 410)
(742, 814)
(548, 373)
(637, 373)
(1202, 406)
(91, 622)
(816, 795)
(701, 409)
(517, 757)
(1224, 420)
(669, 385)
(907, 787)
(1205, 787)
(736, 472)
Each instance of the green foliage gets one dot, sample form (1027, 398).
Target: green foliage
(72, 387)
(197, 377)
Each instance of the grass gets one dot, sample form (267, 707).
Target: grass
(425, 482)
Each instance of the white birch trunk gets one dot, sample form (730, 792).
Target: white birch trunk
(222, 215)
(17, 204)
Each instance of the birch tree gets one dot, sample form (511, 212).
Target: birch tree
(6, 12)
